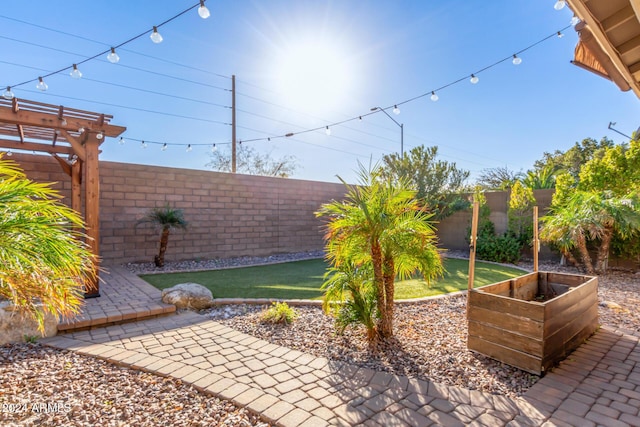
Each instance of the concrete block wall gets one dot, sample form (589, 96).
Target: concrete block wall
(229, 215)
(453, 230)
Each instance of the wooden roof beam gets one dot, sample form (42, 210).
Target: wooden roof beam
(51, 121)
(618, 18)
(15, 145)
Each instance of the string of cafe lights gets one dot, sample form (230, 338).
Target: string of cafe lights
(204, 13)
(111, 54)
(473, 78)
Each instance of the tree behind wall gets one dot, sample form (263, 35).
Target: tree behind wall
(438, 183)
(251, 162)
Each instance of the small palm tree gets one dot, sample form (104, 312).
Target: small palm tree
(43, 262)
(381, 224)
(166, 218)
(585, 216)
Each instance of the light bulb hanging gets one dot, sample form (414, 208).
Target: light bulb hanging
(41, 85)
(144, 144)
(214, 148)
(189, 148)
(81, 130)
(203, 11)
(359, 118)
(99, 135)
(8, 94)
(121, 142)
(164, 147)
(516, 60)
(575, 20)
(155, 36)
(9, 153)
(560, 35)
(474, 79)
(560, 4)
(434, 96)
(327, 131)
(396, 110)
(113, 56)
(75, 73)
(63, 122)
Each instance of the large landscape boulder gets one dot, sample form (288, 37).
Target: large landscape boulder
(16, 326)
(188, 295)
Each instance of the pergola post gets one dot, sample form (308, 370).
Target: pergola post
(92, 204)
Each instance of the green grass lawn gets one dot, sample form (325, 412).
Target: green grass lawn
(302, 280)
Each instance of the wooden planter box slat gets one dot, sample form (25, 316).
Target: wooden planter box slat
(508, 324)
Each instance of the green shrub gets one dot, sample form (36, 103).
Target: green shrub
(279, 312)
(505, 248)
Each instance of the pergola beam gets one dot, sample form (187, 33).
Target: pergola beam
(16, 145)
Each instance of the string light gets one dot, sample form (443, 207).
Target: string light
(474, 79)
(575, 20)
(560, 4)
(63, 122)
(214, 148)
(121, 141)
(113, 56)
(81, 130)
(75, 73)
(327, 131)
(8, 94)
(434, 97)
(9, 153)
(41, 84)
(144, 144)
(99, 135)
(203, 11)
(189, 148)
(560, 35)
(396, 110)
(516, 60)
(164, 147)
(155, 36)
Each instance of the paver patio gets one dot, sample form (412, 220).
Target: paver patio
(599, 384)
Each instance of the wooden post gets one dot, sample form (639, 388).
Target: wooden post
(472, 247)
(92, 207)
(536, 241)
(76, 186)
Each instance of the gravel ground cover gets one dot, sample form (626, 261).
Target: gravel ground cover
(42, 386)
(46, 386)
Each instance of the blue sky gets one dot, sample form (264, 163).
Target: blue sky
(303, 64)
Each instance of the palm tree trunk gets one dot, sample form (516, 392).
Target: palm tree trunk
(388, 274)
(571, 260)
(581, 244)
(164, 240)
(378, 282)
(603, 251)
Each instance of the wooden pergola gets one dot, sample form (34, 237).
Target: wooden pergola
(73, 138)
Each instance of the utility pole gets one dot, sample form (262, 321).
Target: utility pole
(233, 123)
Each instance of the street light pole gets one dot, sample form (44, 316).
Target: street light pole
(396, 122)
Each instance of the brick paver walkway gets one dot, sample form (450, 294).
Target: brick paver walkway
(599, 384)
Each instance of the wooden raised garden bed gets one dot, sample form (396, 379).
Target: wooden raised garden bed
(533, 321)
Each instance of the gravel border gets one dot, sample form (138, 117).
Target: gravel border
(46, 386)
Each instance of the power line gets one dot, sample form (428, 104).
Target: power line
(163, 113)
(114, 47)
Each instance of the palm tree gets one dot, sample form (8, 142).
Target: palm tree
(166, 218)
(381, 223)
(595, 216)
(43, 262)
